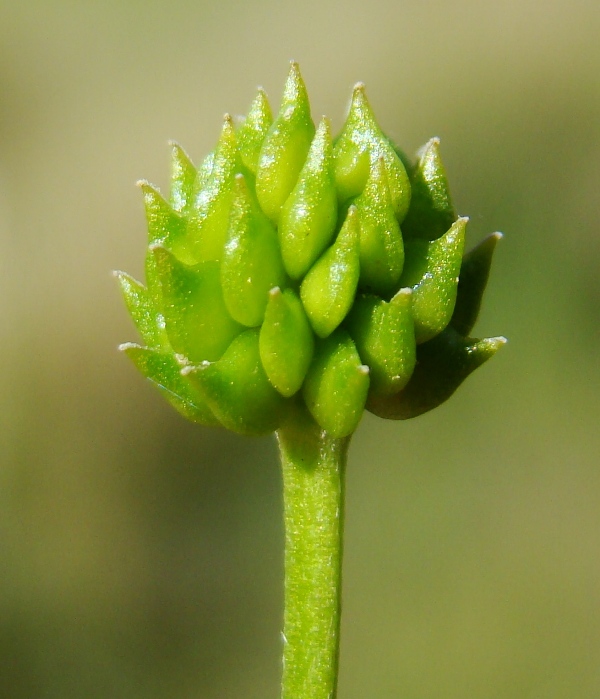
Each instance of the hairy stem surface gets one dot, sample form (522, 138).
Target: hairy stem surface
(313, 486)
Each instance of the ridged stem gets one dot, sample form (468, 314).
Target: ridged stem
(313, 486)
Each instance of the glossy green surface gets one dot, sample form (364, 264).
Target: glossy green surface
(432, 270)
(329, 288)
(381, 246)
(148, 321)
(285, 147)
(237, 390)
(196, 318)
(286, 341)
(165, 372)
(360, 144)
(336, 386)
(251, 264)
(212, 198)
(309, 214)
(384, 335)
(253, 130)
(431, 212)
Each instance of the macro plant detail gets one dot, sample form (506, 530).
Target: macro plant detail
(293, 281)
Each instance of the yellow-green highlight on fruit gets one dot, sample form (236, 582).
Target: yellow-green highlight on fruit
(198, 324)
(432, 270)
(163, 369)
(213, 195)
(253, 130)
(148, 320)
(183, 177)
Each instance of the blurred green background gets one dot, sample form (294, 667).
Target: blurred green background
(141, 556)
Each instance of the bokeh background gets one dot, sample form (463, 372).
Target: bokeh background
(141, 556)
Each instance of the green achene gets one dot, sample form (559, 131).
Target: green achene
(329, 288)
(309, 214)
(286, 341)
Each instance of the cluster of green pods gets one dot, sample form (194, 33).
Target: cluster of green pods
(293, 266)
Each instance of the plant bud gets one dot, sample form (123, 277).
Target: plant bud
(286, 341)
(286, 277)
(251, 264)
(285, 147)
(329, 288)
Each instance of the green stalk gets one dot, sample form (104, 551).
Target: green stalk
(314, 466)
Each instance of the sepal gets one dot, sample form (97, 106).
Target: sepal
(474, 273)
(442, 365)
(163, 369)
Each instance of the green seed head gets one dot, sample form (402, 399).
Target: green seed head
(296, 269)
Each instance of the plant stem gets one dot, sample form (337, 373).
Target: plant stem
(313, 487)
